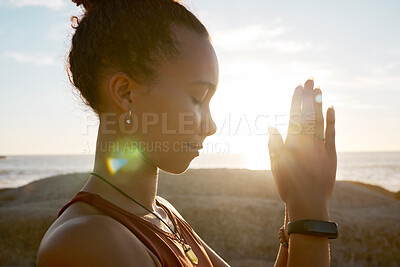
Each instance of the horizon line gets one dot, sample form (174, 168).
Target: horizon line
(84, 154)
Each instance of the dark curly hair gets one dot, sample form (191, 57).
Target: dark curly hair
(131, 36)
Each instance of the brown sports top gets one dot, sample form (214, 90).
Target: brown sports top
(164, 245)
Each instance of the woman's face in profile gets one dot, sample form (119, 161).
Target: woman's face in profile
(175, 113)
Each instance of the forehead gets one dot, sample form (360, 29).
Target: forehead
(196, 61)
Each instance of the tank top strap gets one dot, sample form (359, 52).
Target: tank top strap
(185, 229)
(189, 235)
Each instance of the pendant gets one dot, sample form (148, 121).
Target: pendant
(189, 252)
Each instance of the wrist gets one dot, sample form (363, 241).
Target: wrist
(312, 211)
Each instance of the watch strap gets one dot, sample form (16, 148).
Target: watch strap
(314, 227)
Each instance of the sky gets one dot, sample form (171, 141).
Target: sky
(265, 49)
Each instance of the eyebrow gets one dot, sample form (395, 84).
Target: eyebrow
(211, 86)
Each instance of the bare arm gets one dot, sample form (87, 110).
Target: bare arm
(303, 244)
(304, 170)
(308, 250)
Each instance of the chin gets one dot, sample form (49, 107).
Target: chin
(176, 167)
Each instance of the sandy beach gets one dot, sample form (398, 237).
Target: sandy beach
(238, 216)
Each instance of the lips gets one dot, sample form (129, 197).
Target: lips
(198, 147)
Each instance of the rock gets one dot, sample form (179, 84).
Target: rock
(236, 211)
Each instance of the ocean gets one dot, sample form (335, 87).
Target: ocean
(378, 168)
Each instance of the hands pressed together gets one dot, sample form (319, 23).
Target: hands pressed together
(304, 166)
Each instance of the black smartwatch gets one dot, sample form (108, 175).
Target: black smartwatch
(314, 227)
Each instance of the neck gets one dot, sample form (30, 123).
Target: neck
(128, 170)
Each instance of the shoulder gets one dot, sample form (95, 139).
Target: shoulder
(169, 206)
(93, 240)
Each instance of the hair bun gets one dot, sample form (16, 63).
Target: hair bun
(87, 4)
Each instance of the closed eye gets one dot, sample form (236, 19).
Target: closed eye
(195, 101)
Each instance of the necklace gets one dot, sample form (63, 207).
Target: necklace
(188, 250)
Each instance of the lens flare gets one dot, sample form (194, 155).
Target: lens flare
(318, 98)
(126, 158)
(115, 164)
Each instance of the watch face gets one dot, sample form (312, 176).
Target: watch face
(322, 227)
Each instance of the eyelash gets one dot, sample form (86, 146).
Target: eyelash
(197, 102)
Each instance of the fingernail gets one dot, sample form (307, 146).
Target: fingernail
(311, 79)
(332, 112)
(270, 129)
(300, 85)
(318, 87)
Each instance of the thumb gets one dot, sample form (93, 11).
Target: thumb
(275, 142)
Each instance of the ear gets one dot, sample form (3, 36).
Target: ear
(123, 91)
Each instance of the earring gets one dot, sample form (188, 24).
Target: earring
(128, 118)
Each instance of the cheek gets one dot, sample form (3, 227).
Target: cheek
(188, 119)
(182, 116)
(168, 119)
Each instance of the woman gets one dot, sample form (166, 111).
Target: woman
(149, 71)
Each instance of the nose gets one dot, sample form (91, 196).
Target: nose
(208, 126)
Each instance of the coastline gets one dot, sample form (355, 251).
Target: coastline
(376, 188)
(238, 216)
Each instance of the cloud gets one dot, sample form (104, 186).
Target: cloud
(351, 100)
(389, 68)
(51, 4)
(385, 77)
(259, 37)
(383, 82)
(39, 59)
(357, 104)
(394, 51)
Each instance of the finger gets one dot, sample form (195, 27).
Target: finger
(308, 110)
(296, 99)
(320, 117)
(308, 97)
(295, 111)
(330, 131)
(275, 145)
